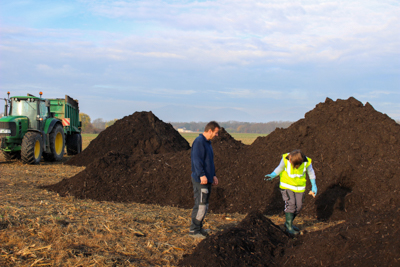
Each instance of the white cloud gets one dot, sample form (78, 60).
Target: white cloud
(252, 93)
(65, 70)
(239, 32)
(175, 49)
(377, 94)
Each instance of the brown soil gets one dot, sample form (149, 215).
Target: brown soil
(354, 150)
(255, 241)
(137, 134)
(41, 228)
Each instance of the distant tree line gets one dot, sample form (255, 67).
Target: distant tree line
(236, 126)
(99, 125)
(96, 126)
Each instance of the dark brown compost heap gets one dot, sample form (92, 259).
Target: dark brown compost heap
(372, 241)
(139, 133)
(354, 150)
(255, 241)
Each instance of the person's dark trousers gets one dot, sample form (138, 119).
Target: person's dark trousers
(201, 197)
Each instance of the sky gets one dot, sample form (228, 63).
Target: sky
(247, 60)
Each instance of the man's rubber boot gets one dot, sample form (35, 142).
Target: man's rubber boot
(294, 227)
(288, 224)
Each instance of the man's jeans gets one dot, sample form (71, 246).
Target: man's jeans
(201, 194)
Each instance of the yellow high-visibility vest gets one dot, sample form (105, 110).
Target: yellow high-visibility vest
(292, 178)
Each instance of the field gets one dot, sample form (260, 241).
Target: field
(245, 138)
(40, 228)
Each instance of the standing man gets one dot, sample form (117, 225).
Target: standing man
(203, 176)
(292, 170)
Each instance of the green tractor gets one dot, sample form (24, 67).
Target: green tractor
(32, 127)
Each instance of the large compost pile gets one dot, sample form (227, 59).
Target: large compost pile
(139, 133)
(354, 150)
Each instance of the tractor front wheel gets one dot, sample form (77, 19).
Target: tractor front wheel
(57, 144)
(8, 156)
(32, 148)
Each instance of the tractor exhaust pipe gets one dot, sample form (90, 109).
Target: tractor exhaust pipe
(6, 106)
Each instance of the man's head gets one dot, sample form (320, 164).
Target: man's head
(296, 158)
(211, 130)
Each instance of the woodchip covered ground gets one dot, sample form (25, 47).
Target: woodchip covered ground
(40, 228)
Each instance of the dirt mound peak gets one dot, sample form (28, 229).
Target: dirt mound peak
(139, 133)
(225, 140)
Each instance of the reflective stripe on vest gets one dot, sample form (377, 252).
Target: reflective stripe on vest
(292, 187)
(289, 168)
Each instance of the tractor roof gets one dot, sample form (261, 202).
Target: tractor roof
(28, 97)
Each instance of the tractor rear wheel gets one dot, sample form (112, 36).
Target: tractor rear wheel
(57, 144)
(74, 144)
(32, 148)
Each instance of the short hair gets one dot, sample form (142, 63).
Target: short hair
(211, 126)
(296, 157)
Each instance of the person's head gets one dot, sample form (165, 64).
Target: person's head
(296, 158)
(211, 130)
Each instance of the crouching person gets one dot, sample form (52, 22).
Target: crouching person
(292, 170)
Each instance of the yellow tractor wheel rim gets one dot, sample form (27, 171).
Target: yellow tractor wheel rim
(37, 149)
(59, 143)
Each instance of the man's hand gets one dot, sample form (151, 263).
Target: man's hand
(203, 180)
(215, 182)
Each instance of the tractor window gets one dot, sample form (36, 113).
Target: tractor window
(44, 111)
(25, 107)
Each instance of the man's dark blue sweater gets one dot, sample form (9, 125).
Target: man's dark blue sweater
(202, 156)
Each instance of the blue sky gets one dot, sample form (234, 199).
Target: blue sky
(248, 60)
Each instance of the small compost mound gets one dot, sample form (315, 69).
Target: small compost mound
(372, 240)
(137, 134)
(255, 241)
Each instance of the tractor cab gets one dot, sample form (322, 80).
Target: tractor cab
(34, 108)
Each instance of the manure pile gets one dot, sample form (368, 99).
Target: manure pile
(353, 147)
(137, 134)
(354, 150)
(255, 241)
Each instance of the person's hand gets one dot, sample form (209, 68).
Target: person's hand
(314, 189)
(313, 186)
(270, 176)
(215, 182)
(203, 180)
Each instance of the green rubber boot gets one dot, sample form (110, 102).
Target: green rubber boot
(288, 224)
(294, 227)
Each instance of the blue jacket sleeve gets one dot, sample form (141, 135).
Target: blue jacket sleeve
(197, 158)
(213, 163)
